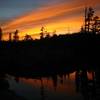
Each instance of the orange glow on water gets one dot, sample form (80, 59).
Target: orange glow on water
(90, 76)
(67, 85)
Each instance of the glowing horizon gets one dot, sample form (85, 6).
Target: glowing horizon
(64, 17)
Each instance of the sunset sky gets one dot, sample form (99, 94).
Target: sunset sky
(28, 16)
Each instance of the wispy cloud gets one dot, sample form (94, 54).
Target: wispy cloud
(57, 16)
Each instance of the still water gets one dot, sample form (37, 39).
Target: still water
(60, 87)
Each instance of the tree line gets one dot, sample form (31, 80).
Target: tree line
(91, 25)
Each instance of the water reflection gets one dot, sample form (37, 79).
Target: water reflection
(17, 79)
(5, 92)
(78, 85)
(85, 85)
(55, 87)
(4, 85)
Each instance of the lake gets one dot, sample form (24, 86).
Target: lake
(57, 87)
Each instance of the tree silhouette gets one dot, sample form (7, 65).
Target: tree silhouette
(96, 25)
(16, 37)
(42, 32)
(10, 36)
(82, 29)
(92, 22)
(47, 35)
(28, 37)
(89, 13)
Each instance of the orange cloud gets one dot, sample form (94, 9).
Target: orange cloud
(55, 17)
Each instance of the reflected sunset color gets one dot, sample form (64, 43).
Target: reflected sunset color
(53, 87)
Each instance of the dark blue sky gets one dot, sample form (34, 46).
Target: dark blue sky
(12, 8)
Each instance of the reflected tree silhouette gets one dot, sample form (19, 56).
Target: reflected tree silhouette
(61, 78)
(42, 90)
(54, 79)
(84, 86)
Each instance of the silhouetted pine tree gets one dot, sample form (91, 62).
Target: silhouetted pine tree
(89, 13)
(42, 33)
(10, 36)
(16, 37)
(92, 22)
(96, 25)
